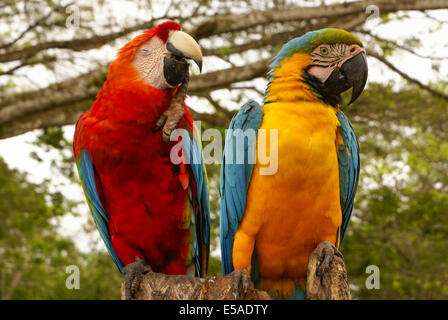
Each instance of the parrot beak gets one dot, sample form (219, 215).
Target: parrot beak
(356, 71)
(352, 74)
(182, 47)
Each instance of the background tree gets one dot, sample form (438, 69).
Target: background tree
(33, 255)
(53, 61)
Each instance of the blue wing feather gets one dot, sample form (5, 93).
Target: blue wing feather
(235, 180)
(87, 177)
(349, 165)
(192, 151)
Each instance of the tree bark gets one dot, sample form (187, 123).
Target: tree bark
(333, 285)
(158, 286)
(62, 103)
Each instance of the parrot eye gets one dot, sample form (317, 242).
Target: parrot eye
(324, 50)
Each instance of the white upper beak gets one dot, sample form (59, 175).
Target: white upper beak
(189, 48)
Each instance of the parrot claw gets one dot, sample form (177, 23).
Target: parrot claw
(239, 277)
(171, 117)
(133, 274)
(325, 254)
(160, 122)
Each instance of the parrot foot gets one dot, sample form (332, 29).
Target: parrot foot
(171, 117)
(325, 254)
(133, 274)
(239, 277)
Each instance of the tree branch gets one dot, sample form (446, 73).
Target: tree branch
(29, 62)
(217, 106)
(210, 118)
(29, 111)
(399, 46)
(234, 23)
(37, 23)
(64, 93)
(23, 112)
(406, 76)
(158, 286)
(333, 285)
(224, 78)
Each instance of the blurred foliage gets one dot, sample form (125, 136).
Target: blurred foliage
(53, 138)
(400, 219)
(34, 257)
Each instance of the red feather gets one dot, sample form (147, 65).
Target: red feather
(143, 193)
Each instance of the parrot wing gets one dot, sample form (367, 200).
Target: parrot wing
(201, 207)
(235, 178)
(90, 181)
(349, 164)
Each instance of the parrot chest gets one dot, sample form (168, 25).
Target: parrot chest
(148, 208)
(299, 206)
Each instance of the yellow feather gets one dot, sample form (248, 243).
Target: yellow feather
(290, 213)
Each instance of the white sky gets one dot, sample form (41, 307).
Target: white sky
(16, 150)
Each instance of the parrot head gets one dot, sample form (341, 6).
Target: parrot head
(328, 61)
(158, 56)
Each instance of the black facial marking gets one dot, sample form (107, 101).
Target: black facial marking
(174, 70)
(352, 74)
(332, 98)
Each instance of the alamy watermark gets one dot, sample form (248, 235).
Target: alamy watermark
(373, 280)
(241, 147)
(374, 12)
(73, 281)
(73, 18)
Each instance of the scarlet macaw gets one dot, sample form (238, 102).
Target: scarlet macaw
(270, 224)
(148, 210)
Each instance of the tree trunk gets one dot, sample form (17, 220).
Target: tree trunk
(333, 285)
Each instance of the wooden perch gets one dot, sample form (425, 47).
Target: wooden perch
(333, 285)
(156, 286)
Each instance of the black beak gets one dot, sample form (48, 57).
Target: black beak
(175, 68)
(356, 71)
(352, 74)
(199, 64)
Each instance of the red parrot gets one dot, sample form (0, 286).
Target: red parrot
(148, 210)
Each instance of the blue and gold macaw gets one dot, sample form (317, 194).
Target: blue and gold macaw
(271, 223)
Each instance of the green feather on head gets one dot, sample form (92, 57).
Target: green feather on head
(310, 40)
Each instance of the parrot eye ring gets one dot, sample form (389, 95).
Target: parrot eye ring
(324, 50)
